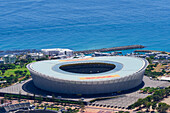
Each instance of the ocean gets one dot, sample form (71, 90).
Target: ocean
(84, 24)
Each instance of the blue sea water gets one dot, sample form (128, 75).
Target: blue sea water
(84, 24)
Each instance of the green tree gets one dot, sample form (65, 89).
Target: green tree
(156, 97)
(163, 71)
(53, 97)
(2, 101)
(19, 97)
(5, 97)
(52, 105)
(149, 98)
(3, 71)
(40, 99)
(149, 60)
(82, 106)
(148, 105)
(162, 107)
(34, 97)
(41, 106)
(154, 105)
(10, 97)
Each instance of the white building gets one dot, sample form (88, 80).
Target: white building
(152, 54)
(165, 78)
(97, 54)
(35, 56)
(95, 75)
(58, 52)
(9, 59)
(162, 56)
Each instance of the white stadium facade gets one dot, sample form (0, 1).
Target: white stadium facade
(95, 75)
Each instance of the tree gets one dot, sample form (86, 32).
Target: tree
(9, 97)
(34, 97)
(41, 106)
(53, 97)
(19, 97)
(5, 97)
(3, 71)
(156, 97)
(167, 92)
(40, 99)
(2, 101)
(47, 99)
(25, 71)
(82, 106)
(37, 106)
(149, 98)
(145, 102)
(52, 105)
(148, 105)
(162, 107)
(28, 97)
(149, 60)
(163, 71)
(154, 105)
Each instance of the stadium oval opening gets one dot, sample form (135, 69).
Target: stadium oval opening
(88, 68)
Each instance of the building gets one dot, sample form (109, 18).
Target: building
(93, 75)
(34, 56)
(97, 54)
(1, 62)
(15, 107)
(152, 54)
(165, 78)
(9, 59)
(162, 56)
(58, 52)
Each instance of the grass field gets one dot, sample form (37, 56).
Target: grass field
(56, 109)
(12, 71)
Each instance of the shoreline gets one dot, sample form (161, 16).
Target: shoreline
(83, 51)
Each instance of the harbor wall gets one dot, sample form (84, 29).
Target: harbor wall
(110, 49)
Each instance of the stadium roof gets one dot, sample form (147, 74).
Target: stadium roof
(124, 66)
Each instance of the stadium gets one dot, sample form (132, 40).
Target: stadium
(95, 75)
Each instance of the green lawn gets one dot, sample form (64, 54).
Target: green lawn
(12, 71)
(56, 109)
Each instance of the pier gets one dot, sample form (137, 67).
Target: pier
(110, 49)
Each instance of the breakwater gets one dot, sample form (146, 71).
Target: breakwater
(146, 51)
(149, 51)
(110, 49)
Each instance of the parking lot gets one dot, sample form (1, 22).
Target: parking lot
(127, 99)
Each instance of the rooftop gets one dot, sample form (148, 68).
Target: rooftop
(124, 66)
